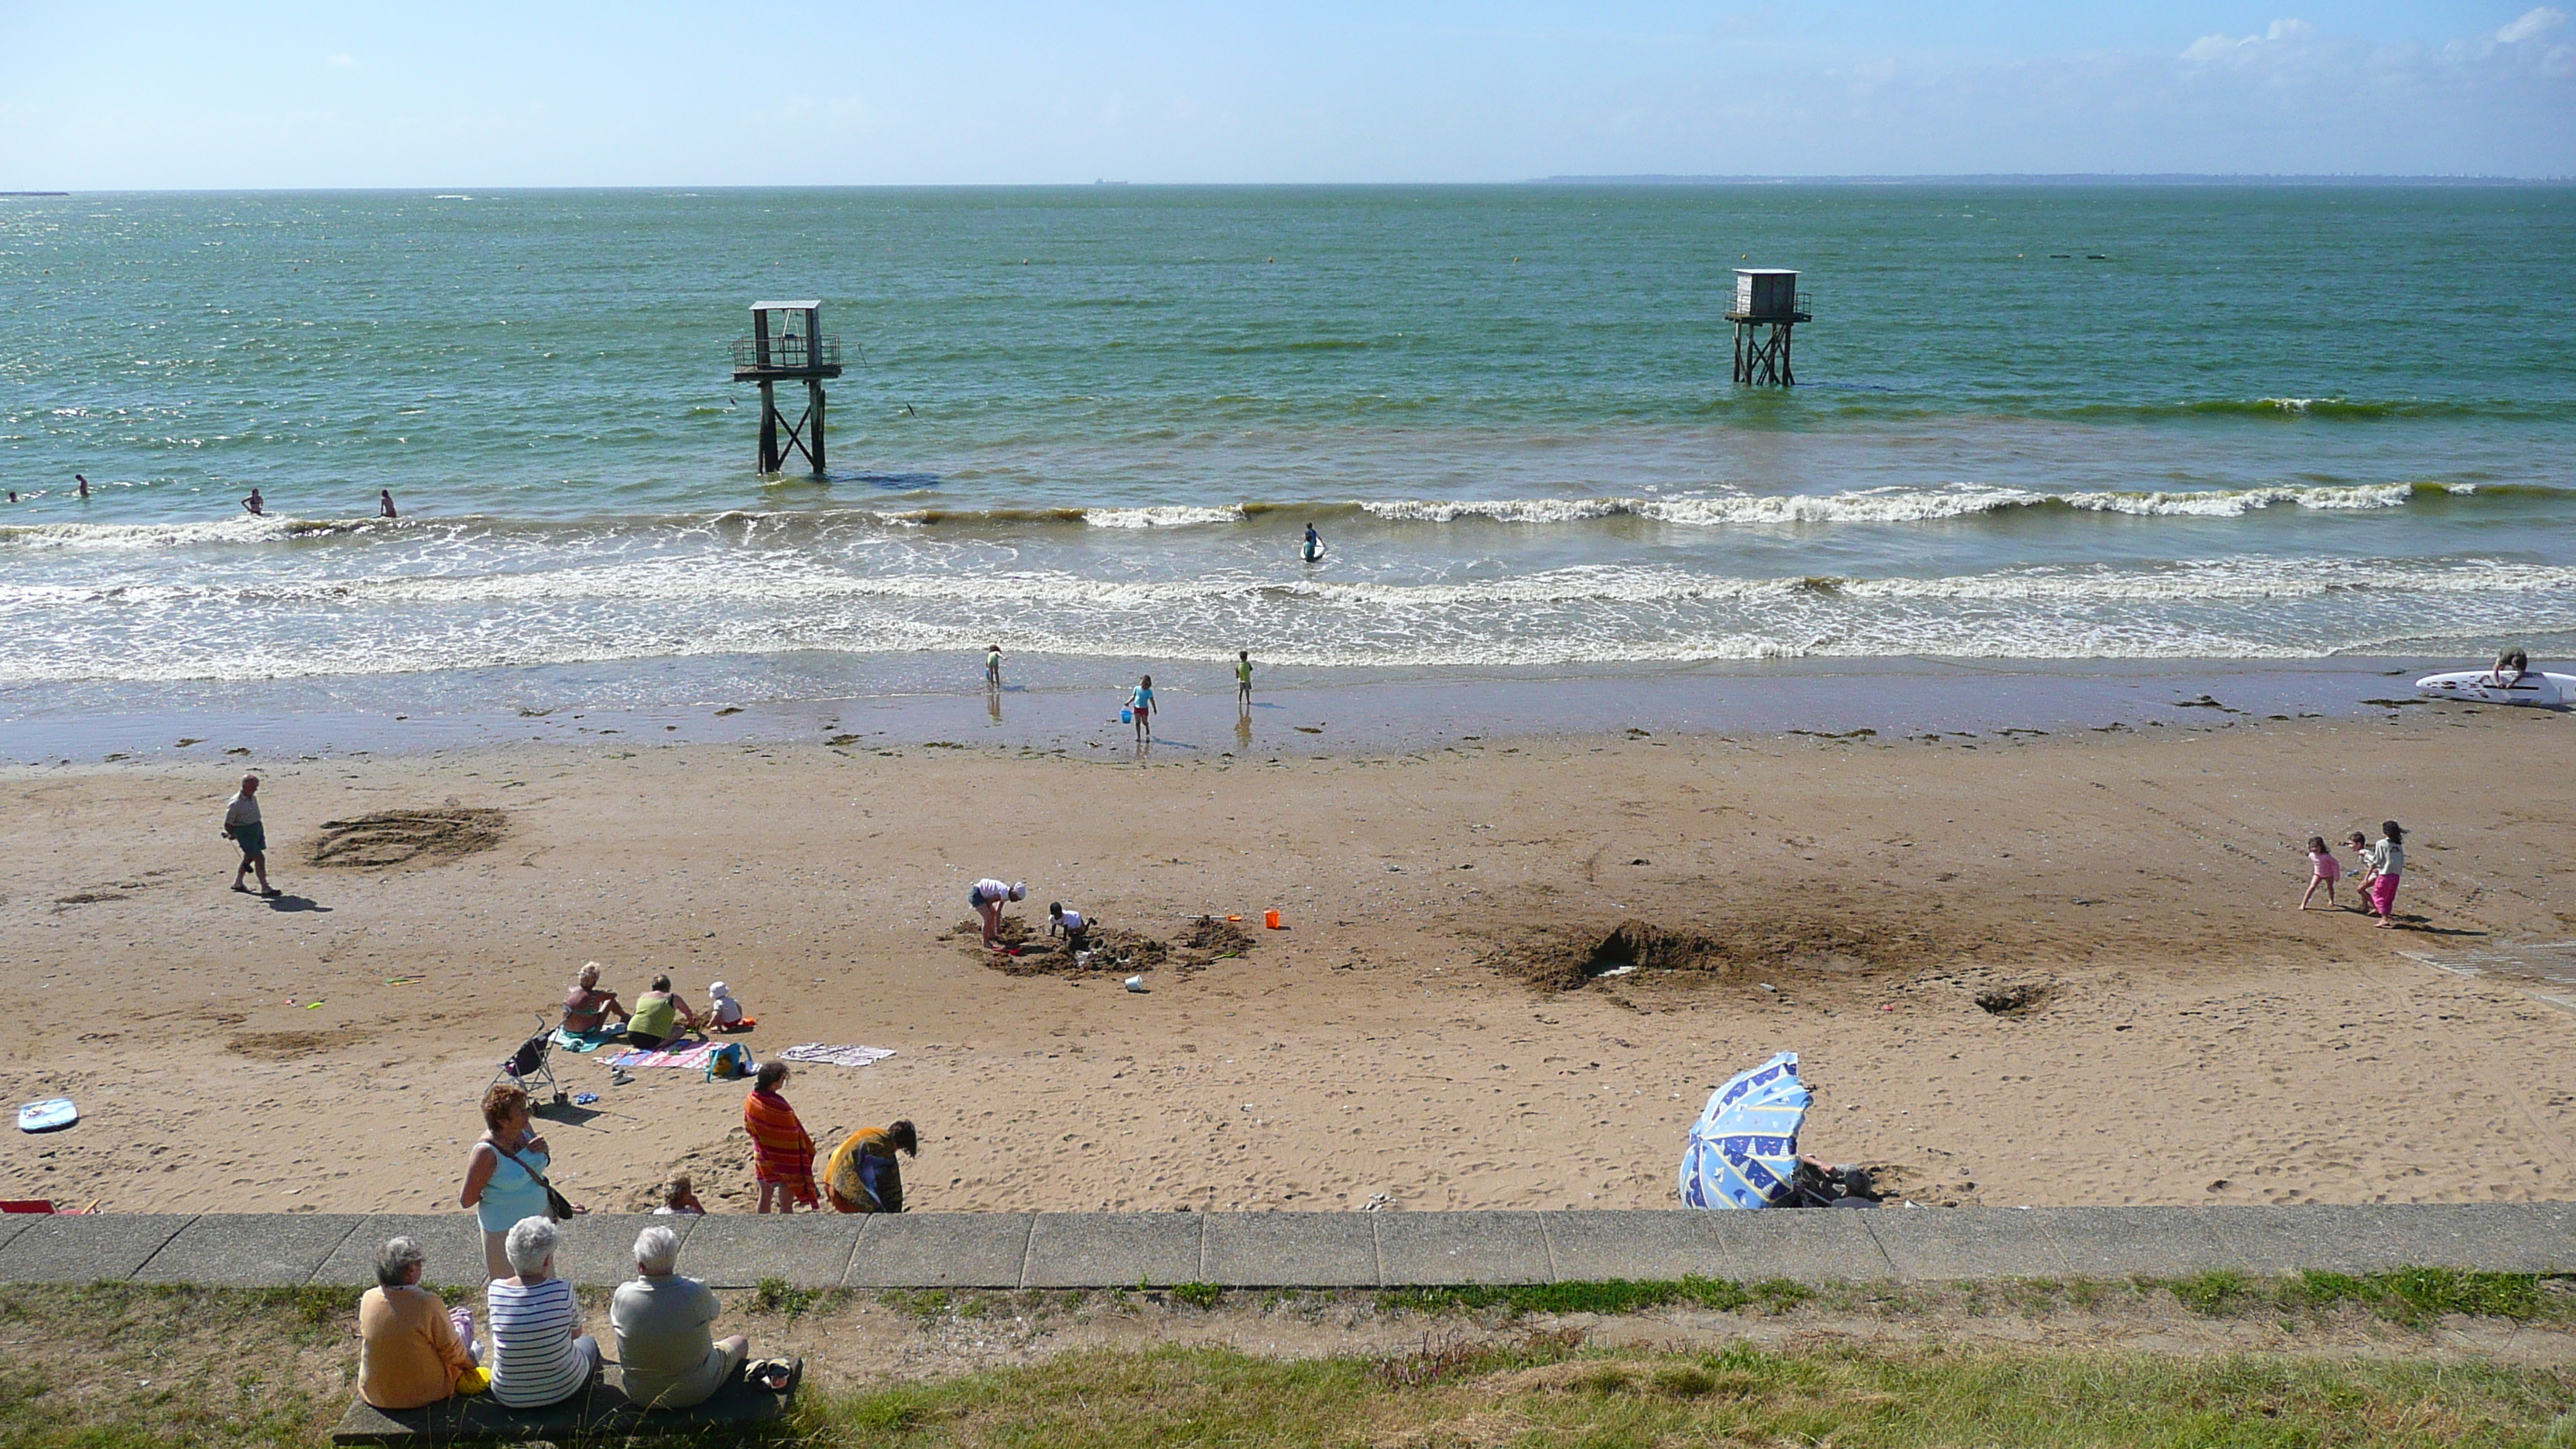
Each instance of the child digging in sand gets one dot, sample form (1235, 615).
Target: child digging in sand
(2326, 871)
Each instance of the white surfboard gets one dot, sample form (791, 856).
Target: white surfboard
(51, 1116)
(2549, 691)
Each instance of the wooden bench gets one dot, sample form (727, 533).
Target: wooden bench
(599, 1411)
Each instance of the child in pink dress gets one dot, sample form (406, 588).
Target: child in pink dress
(2327, 870)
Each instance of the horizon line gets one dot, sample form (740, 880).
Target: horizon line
(1640, 179)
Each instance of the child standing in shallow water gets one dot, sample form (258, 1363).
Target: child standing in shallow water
(2327, 870)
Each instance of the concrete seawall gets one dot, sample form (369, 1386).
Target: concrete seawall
(1331, 1250)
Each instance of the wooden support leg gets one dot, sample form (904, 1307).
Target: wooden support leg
(768, 430)
(814, 389)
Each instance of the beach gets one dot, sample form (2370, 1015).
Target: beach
(1422, 1034)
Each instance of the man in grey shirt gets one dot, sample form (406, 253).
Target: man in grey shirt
(243, 828)
(667, 1358)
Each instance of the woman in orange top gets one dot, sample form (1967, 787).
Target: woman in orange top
(782, 1155)
(411, 1350)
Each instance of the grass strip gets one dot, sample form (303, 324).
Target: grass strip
(1544, 1393)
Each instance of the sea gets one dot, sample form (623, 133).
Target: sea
(2067, 432)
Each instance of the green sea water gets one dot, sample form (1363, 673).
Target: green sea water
(2034, 423)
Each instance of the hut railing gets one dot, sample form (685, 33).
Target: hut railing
(792, 350)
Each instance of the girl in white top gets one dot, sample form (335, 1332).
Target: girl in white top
(2387, 861)
(987, 896)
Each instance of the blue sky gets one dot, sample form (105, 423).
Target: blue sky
(111, 95)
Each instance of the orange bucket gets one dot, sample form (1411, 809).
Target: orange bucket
(1271, 919)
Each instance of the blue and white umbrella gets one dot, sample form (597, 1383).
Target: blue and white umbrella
(1744, 1147)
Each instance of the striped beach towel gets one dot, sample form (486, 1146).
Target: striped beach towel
(781, 1152)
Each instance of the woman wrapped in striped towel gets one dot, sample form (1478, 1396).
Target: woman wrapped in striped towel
(782, 1153)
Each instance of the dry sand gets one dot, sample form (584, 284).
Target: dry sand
(1408, 1042)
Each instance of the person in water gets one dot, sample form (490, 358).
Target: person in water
(1243, 679)
(83, 481)
(1141, 704)
(385, 503)
(254, 505)
(1314, 544)
(992, 666)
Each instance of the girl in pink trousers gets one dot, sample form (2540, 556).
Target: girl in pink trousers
(2387, 861)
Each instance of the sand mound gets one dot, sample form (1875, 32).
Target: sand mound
(2016, 1000)
(1774, 949)
(1113, 951)
(408, 837)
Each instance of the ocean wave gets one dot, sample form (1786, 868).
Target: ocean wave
(709, 603)
(1163, 517)
(715, 580)
(1891, 505)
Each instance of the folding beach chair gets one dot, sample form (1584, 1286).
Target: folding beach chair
(532, 1063)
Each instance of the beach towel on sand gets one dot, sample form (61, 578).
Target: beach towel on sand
(781, 1152)
(588, 1041)
(679, 1054)
(838, 1056)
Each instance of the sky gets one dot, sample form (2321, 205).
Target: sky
(112, 95)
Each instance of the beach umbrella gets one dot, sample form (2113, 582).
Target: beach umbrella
(1744, 1147)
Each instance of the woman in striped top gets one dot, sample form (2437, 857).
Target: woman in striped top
(540, 1355)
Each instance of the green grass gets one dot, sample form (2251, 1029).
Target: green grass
(119, 1365)
(2411, 1296)
(1848, 1397)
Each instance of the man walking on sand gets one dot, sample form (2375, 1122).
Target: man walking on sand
(242, 827)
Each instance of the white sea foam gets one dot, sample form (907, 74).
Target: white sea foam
(1895, 505)
(1169, 517)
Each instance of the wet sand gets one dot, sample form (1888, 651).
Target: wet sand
(2193, 1038)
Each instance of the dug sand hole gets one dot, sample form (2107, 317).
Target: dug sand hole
(2019, 999)
(1775, 948)
(1107, 949)
(409, 837)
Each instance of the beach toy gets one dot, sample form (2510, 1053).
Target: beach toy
(1136, 984)
(584, 1099)
(48, 1116)
(1127, 716)
(1270, 919)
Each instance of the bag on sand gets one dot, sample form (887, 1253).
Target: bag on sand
(730, 1061)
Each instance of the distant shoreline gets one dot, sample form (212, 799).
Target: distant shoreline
(2071, 178)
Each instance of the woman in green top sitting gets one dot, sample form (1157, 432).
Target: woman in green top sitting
(659, 1012)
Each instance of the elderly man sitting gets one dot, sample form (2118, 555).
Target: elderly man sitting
(669, 1360)
(540, 1356)
(411, 1351)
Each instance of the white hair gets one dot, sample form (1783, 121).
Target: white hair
(657, 1251)
(530, 1245)
(395, 1261)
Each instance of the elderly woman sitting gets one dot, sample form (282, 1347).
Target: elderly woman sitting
(540, 1356)
(411, 1350)
(667, 1358)
(586, 1008)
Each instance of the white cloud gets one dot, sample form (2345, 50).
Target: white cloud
(2535, 22)
(342, 61)
(2211, 48)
